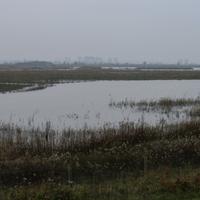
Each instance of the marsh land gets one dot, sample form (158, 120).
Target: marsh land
(45, 76)
(99, 134)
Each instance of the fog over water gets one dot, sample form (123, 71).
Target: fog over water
(131, 30)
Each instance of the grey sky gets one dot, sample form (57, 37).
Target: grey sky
(132, 30)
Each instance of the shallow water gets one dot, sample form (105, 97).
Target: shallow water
(77, 104)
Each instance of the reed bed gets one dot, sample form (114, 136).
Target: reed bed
(163, 104)
(195, 111)
(28, 156)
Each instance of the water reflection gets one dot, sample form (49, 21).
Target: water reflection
(77, 104)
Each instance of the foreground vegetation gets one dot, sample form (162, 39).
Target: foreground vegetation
(132, 161)
(54, 76)
(163, 184)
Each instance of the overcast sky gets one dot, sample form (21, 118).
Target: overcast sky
(131, 30)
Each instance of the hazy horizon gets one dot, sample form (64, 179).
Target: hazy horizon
(130, 30)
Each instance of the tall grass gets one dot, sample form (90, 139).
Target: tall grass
(163, 104)
(35, 155)
(195, 111)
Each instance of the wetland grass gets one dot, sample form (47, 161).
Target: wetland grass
(163, 104)
(132, 161)
(195, 111)
(53, 75)
(9, 87)
(105, 151)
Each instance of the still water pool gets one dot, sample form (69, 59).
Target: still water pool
(87, 103)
